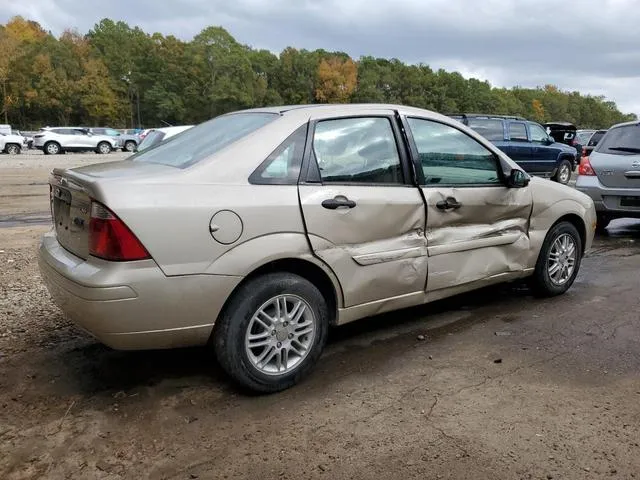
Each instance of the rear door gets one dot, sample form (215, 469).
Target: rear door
(477, 228)
(363, 217)
(616, 159)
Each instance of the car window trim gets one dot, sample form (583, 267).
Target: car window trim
(418, 166)
(311, 173)
(526, 131)
(255, 177)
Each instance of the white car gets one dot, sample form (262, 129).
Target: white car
(11, 143)
(157, 135)
(72, 139)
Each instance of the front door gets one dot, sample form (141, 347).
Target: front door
(363, 216)
(545, 153)
(477, 228)
(519, 149)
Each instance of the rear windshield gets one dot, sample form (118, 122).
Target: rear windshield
(621, 141)
(199, 142)
(153, 137)
(488, 128)
(593, 141)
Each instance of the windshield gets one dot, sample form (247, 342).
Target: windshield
(621, 141)
(197, 143)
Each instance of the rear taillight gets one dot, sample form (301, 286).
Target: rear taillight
(585, 168)
(111, 239)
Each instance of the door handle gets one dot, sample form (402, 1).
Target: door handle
(337, 202)
(449, 203)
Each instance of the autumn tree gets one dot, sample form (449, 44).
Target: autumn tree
(538, 110)
(337, 79)
(118, 75)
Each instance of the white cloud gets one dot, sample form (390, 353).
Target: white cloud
(588, 45)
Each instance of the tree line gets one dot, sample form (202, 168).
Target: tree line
(120, 76)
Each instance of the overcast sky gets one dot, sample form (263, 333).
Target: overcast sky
(587, 45)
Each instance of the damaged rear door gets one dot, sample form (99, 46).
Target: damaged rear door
(477, 227)
(363, 217)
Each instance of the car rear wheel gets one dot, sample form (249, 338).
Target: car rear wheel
(559, 261)
(52, 148)
(130, 146)
(564, 172)
(104, 148)
(272, 332)
(12, 149)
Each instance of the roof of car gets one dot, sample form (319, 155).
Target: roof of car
(486, 115)
(625, 124)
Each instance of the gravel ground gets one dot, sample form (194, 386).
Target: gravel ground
(492, 385)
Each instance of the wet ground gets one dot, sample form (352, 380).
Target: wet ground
(491, 385)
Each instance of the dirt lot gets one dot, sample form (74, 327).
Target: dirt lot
(493, 385)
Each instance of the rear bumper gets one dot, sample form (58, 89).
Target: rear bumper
(133, 305)
(607, 199)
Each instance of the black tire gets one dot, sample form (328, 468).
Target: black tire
(231, 328)
(541, 282)
(563, 175)
(12, 149)
(130, 146)
(602, 222)
(104, 148)
(52, 148)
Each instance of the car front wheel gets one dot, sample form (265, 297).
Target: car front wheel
(272, 332)
(559, 261)
(130, 146)
(12, 149)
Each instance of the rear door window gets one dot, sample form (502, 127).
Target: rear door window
(518, 132)
(621, 141)
(489, 128)
(357, 150)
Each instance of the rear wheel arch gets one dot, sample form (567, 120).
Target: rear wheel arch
(303, 268)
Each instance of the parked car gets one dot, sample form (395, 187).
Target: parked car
(157, 135)
(610, 175)
(527, 143)
(126, 142)
(581, 140)
(27, 141)
(593, 142)
(11, 143)
(257, 230)
(72, 139)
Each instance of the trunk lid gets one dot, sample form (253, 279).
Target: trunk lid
(71, 213)
(616, 171)
(73, 190)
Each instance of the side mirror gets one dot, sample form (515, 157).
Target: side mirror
(517, 179)
(550, 141)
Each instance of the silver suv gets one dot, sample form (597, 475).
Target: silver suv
(72, 139)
